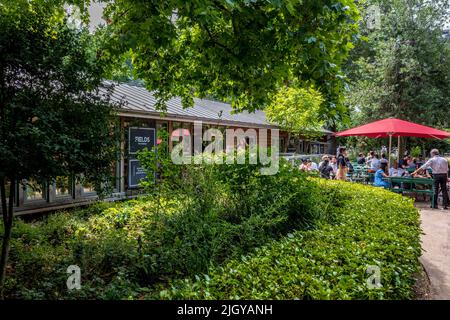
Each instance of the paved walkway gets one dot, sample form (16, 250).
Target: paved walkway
(436, 246)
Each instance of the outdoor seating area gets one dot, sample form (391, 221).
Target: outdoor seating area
(403, 182)
(406, 175)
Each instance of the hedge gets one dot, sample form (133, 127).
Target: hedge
(127, 249)
(371, 227)
(280, 237)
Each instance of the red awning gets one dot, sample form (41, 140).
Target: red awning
(396, 128)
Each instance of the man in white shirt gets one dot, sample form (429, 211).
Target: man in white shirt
(439, 167)
(375, 163)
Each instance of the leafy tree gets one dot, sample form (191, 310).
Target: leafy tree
(239, 51)
(53, 122)
(295, 110)
(403, 68)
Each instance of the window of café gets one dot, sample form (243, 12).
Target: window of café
(177, 135)
(282, 144)
(87, 188)
(34, 191)
(63, 186)
(208, 140)
(295, 145)
(223, 130)
(205, 143)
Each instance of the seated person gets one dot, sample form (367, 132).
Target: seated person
(325, 168)
(312, 166)
(401, 171)
(412, 163)
(423, 174)
(303, 166)
(349, 165)
(369, 157)
(393, 171)
(383, 158)
(379, 175)
(403, 162)
(334, 164)
(375, 163)
(361, 159)
(420, 162)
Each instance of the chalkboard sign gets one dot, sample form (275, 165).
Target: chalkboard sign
(136, 173)
(140, 138)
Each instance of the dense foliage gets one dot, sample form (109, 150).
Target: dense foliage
(236, 50)
(305, 230)
(53, 122)
(402, 68)
(296, 110)
(370, 227)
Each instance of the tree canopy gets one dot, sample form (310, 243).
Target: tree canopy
(238, 51)
(295, 110)
(53, 122)
(403, 69)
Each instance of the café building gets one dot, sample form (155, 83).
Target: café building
(141, 122)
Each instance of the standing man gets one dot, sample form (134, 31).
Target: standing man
(439, 166)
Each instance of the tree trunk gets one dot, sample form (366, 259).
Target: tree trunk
(332, 145)
(7, 221)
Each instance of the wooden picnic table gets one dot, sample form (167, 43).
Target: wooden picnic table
(413, 182)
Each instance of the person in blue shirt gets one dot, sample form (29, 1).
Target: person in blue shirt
(379, 175)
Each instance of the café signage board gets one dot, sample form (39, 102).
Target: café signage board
(136, 173)
(140, 138)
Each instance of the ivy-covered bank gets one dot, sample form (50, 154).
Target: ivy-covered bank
(372, 229)
(227, 232)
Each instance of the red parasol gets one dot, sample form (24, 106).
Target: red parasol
(395, 128)
(392, 127)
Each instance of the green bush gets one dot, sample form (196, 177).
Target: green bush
(372, 227)
(220, 213)
(416, 152)
(289, 229)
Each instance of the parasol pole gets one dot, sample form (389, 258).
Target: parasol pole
(389, 154)
(398, 150)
